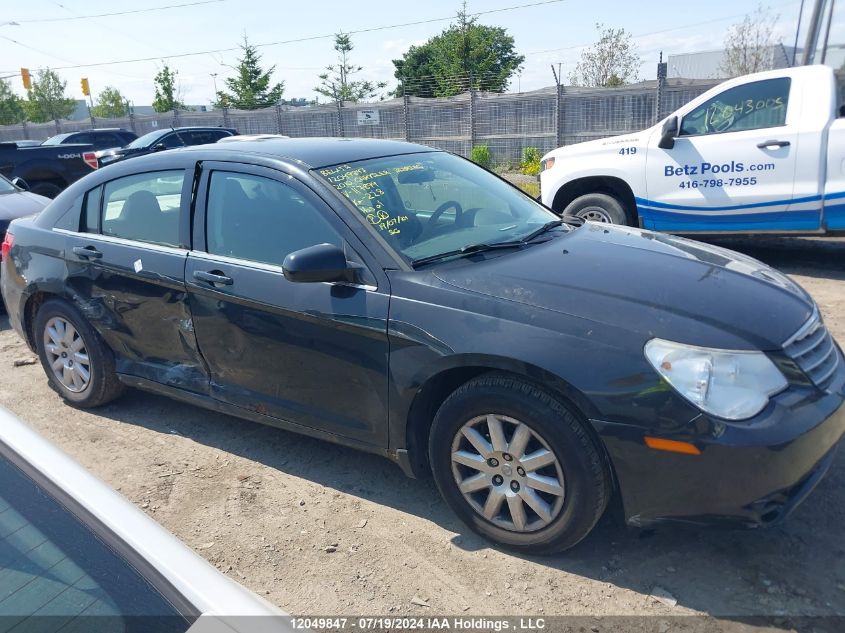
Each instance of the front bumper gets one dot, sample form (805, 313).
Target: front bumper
(748, 475)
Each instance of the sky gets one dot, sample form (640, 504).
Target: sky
(60, 34)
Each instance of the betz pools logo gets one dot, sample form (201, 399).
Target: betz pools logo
(69, 155)
(704, 168)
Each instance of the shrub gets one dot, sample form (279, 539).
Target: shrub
(481, 156)
(530, 161)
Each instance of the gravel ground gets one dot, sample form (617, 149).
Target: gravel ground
(320, 529)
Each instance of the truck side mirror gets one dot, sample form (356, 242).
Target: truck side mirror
(668, 134)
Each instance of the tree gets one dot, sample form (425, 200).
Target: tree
(336, 83)
(47, 101)
(11, 105)
(110, 104)
(748, 45)
(250, 88)
(611, 61)
(167, 91)
(466, 54)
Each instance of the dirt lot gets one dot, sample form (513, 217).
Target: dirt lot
(264, 505)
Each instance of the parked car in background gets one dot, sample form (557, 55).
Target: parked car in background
(405, 301)
(17, 202)
(250, 137)
(761, 153)
(77, 557)
(99, 138)
(47, 169)
(168, 138)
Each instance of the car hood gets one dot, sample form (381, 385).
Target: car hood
(652, 284)
(20, 204)
(588, 147)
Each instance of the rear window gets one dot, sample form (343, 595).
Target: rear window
(56, 573)
(144, 207)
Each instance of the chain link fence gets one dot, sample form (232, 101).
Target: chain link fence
(506, 123)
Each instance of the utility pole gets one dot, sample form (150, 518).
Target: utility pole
(813, 30)
(214, 79)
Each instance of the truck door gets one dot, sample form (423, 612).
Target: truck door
(732, 167)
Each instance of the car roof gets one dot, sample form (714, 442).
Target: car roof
(318, 152)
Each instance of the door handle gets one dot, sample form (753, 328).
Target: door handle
(213, 277)
(87, 252)
(768, 144)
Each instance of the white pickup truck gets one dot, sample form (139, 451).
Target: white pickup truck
(759, 153)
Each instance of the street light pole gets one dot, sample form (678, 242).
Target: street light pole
(214, 79)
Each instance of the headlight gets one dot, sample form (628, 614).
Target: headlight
(548, 163)
(734, 385)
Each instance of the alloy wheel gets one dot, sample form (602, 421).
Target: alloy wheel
(507, 473)
(67, 355)
(595, 214)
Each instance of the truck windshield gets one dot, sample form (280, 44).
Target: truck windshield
(432, 203)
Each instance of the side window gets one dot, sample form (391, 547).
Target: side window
(201, 137)
(91, 218)
(144, 207)
(79, 138)
(260, 219)
(171, 141)
(105, 140)
(751, 106)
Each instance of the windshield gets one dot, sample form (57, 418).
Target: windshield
(6, 186)
(432, 203)
(146, 139)
(57, 139)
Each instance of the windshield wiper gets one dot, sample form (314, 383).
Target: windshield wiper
(470, 249)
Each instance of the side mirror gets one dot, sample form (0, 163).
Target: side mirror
(323, 262)
(20, 183)
(668, 134)
(158, 147)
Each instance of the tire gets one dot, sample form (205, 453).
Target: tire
(46, 189)
(102, 385)
(599, 207)
(579, 466)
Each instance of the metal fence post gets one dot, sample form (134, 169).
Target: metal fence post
(226, 122)
(25, 130)
(175, 117)
(340, 130)
(559, 121)
(132, 121)
(472, 135)
(58, 126)
(278, 118)
(662, 68)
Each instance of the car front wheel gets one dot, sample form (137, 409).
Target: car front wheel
(78, 364)
(517, 465)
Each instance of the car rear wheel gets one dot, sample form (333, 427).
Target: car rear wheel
(78, 364)
(598, 207)
(517, 465)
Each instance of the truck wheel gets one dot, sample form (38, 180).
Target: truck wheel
(598, 207)
(78, 364)
(517, 465)
(46, 189)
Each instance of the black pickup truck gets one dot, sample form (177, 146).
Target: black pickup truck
(47, 169)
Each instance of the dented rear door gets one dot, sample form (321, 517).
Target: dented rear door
(126, 267)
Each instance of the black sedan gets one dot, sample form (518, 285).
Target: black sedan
(164, 139)
(404, 301)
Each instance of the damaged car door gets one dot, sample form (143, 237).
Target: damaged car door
(126, 267)
(314, 354)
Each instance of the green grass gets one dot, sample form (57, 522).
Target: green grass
(531, 188)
